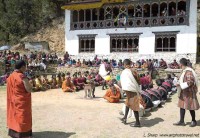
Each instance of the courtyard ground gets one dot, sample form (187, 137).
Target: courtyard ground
(61, 115)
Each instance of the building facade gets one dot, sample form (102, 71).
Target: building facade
(140, 29)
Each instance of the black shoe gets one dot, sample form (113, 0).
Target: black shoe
(179, 124)
(137, 125)
(193, 124)
(124, 121)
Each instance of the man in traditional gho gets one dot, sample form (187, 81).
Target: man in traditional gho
(187, 93)
(130, 85)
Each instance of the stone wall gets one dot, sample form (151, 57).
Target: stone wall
(169, 57)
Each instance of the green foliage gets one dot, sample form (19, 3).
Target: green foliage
(21, 17)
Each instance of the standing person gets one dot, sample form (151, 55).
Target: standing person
(66, 57)
(130, 85)
(19, 113)
(104, 71)
(150, 68)
(187, 93)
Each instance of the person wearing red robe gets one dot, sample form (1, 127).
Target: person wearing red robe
(19, 112)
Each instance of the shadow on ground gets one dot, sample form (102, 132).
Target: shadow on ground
(150, 122)
(52, 134)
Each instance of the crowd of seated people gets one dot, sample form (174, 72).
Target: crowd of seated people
(40, 61)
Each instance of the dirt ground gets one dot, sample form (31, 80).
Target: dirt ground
(61, 115)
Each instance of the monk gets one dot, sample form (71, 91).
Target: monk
(19, 113)
(174, 65)
(68, 86)
(163, 64)
(113, 93)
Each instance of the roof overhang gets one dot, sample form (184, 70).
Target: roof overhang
(89, 5)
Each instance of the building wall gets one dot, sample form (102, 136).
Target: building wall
(186, 45)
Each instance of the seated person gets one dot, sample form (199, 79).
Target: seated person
(163, 64)
(78, 63)
(113, 63)
(137, 65)
(38, 84)
(156, 64)
(75, 82)
(98, 79)
(143, 82)
(68, 86)
(53, 82)
(144, 65)
(32, 82)
(113, 93)
(120, 64)
(81, 79)
(63, 77)
(148, 78)
(174, 65)
(84, 64)
(45, 82)
(59, 80)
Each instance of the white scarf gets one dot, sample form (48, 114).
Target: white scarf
(184, 85)
(102, 70)
(128, 82)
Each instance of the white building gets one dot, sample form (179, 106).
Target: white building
(139, 29)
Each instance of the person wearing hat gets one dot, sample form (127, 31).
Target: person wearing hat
(19, 113)
(113, 93)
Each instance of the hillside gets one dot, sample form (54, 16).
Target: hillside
(54, 34)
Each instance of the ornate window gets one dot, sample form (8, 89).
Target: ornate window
(165, 41)
(124, 42)
(86, 43)
(141, 13)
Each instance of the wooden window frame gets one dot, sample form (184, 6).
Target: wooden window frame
(86, 38)
(163, 35)
(131, 22)
(119, 46)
